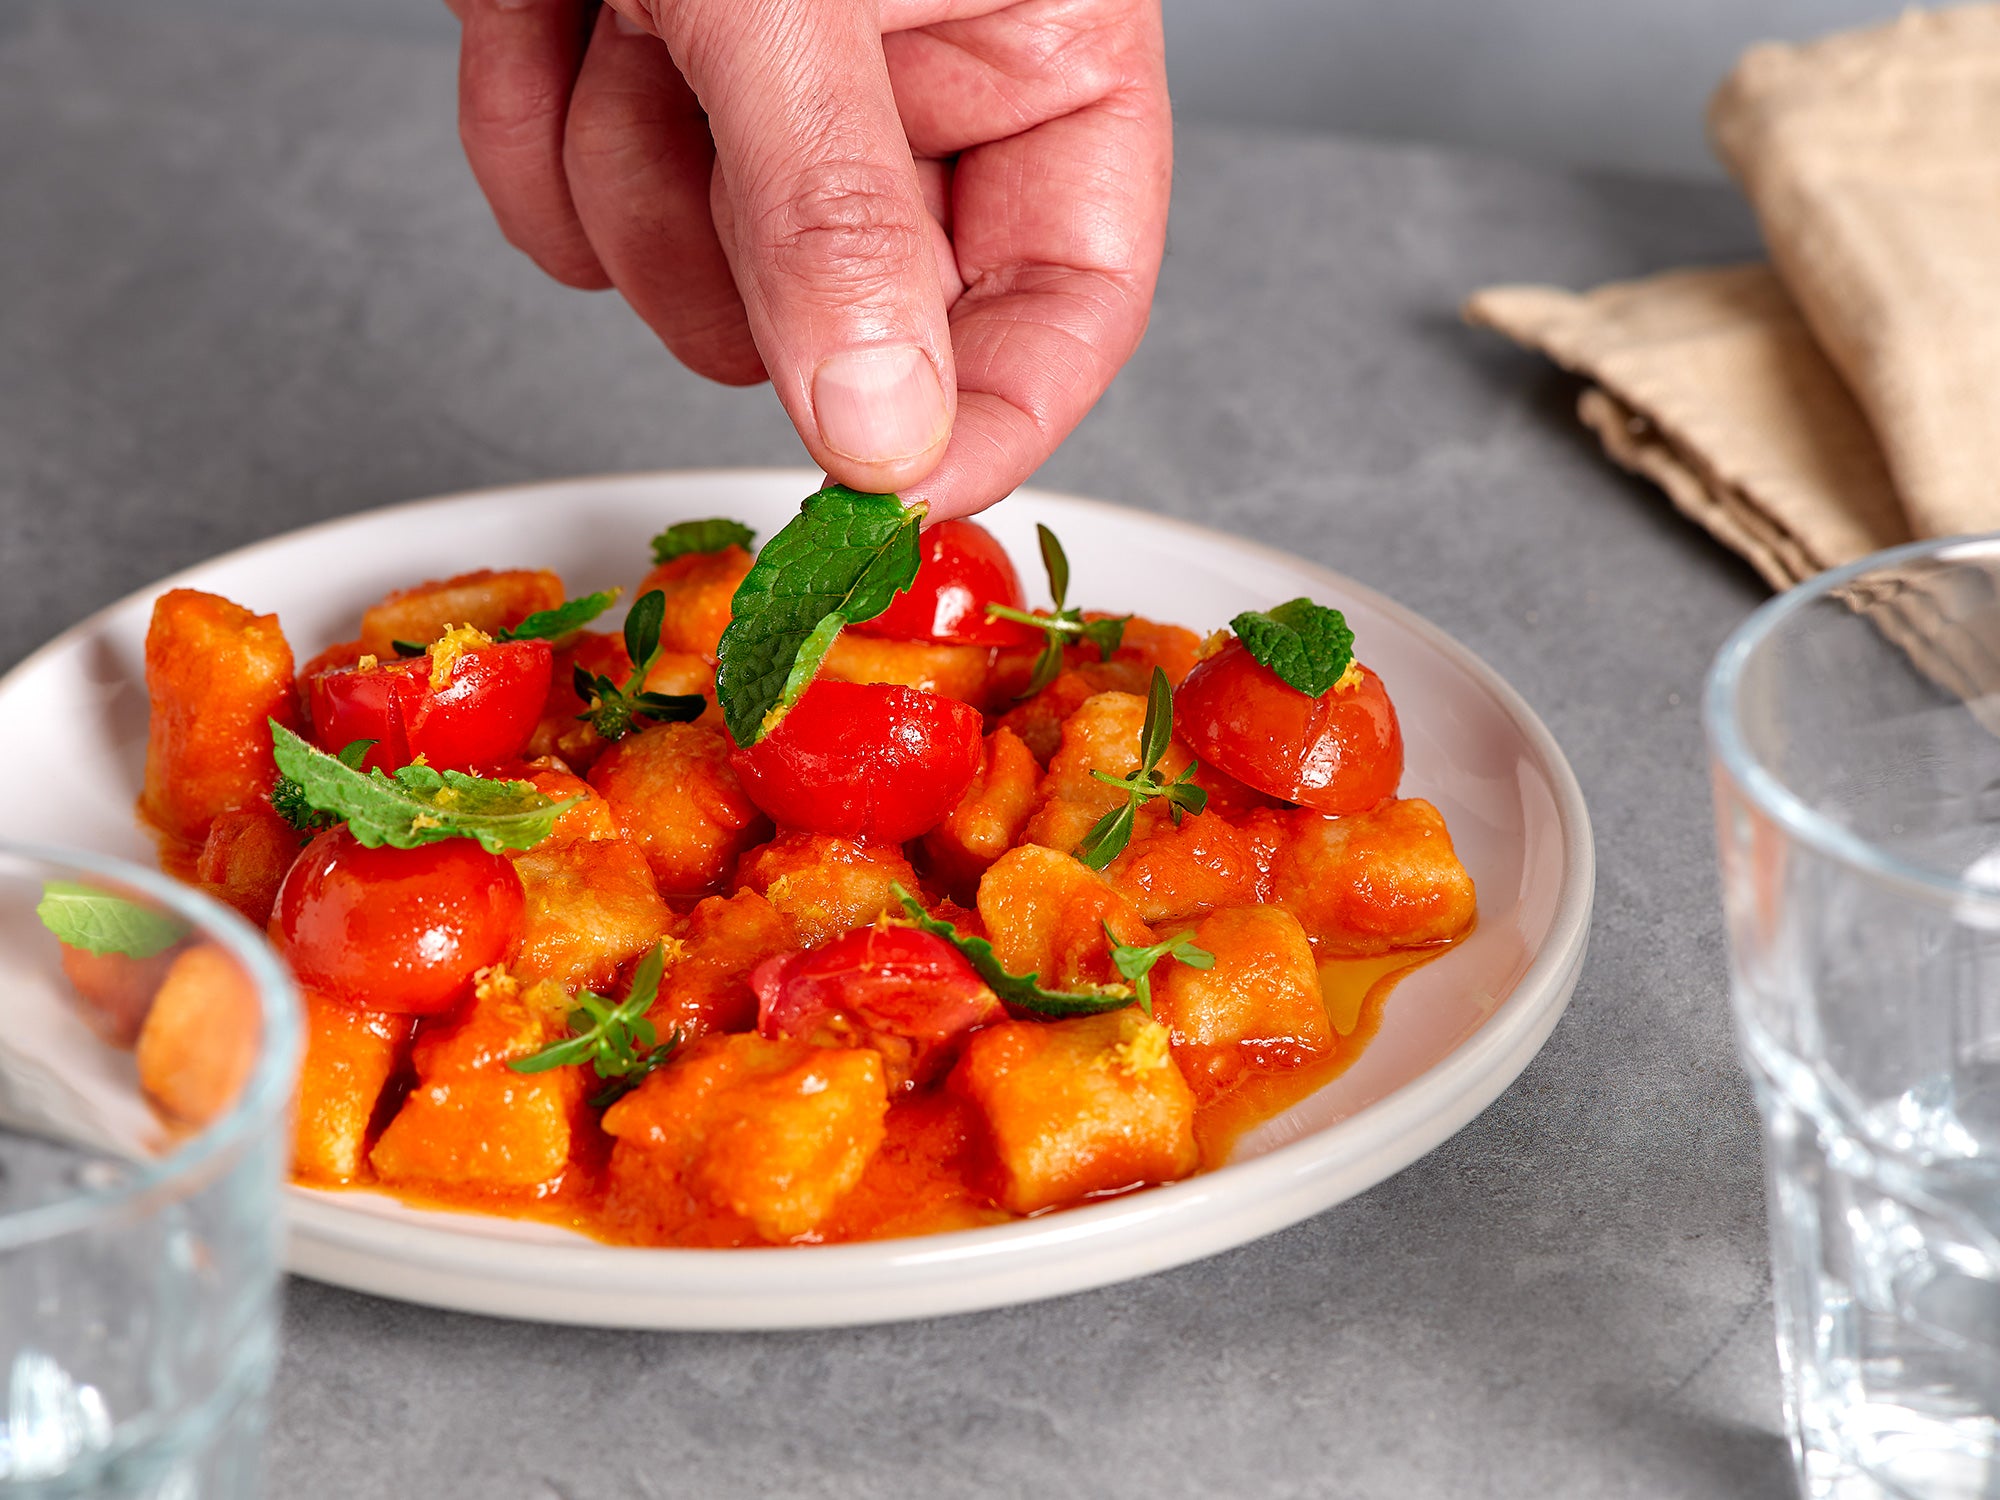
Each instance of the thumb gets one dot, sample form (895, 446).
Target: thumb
(821, 213)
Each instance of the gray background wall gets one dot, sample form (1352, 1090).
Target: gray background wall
(1605, 82)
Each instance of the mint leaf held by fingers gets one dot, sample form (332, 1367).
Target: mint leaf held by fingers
(566, 618)
(1022, 991)
(417, 805)
(840, 560)
(717, 534)
(1064, 624)
(1307, 645)
(99, 922)
(1110, 834)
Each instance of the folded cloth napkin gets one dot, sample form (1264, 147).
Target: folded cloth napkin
(1848, 396)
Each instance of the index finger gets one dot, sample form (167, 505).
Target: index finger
(1059, 233)
(820, 210)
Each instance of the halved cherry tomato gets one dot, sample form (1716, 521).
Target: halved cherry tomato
(1340, 753)
(863, 760)
(964, 569)
(481, 717)
(900, 990)
(397, 929)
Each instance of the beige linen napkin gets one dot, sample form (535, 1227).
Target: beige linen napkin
(1848, 397)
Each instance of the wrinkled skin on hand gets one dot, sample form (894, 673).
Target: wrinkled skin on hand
(934, 225)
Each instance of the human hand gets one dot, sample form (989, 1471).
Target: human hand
(935, 225)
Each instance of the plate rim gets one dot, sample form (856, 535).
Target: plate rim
(717, 1289)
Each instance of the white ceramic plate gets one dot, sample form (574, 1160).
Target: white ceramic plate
(1456, 1032)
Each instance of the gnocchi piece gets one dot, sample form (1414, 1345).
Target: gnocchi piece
(960, 672)
(698, 587)
(216, 675)
(1173, 873)
(245, 857)
(1373, 881)
(470, 1118)
(486, 600)
(989, 817)
(776, 1132)
(672, 791)
(199, 1041)
(1045, 913)
(591, 908)
(1076, 1107)
(1101, 736)
(823, 886)
(351, 1055)
(1261, 996)
(707, 988)
(114, 990)
(591, 817)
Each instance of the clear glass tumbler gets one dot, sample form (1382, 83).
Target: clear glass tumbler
(146, 1071)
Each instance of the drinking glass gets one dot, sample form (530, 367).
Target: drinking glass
(144, 1094)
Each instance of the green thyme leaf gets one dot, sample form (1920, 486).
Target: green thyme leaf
(642, 629)
(1019, 990)
(713, 535)
(612, 708)
(1109, 835)
(1055, 562)
(615, 1038)
(99, 922)
(419, 804)
(553, 624)
(1136, 962)
(840, 560)
(1158, 731)
(407, 649)
(1062, 624)
(1308, 645)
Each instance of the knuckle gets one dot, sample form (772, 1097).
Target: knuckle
(848, 222)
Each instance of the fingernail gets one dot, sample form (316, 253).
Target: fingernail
(514, 4)
(624, 25)
(879, 405)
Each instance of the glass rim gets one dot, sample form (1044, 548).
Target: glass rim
(1764, 788)
(264, 1094)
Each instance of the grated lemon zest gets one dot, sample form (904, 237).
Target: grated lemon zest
(449, 647)
(1142, 1047)
(1351, 678)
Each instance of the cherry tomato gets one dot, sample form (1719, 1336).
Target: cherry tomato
(397, 929)
(1340, 753)
(964, 569)
(900, 990)
(863, 760)
(481, 717)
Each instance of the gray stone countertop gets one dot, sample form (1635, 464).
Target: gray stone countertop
(248, 285)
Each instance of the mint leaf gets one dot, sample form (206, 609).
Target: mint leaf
(99, 922)
(1018, 990)
(1308, 645)
(841, 559)
(714, 535)
(553, 624)
(419, 804)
